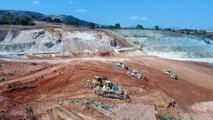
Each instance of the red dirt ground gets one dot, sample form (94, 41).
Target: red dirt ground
(11, 70)
(45, 89)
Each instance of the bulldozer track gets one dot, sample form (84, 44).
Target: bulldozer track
(51, 114)
(70, 113)
(31, 78)
(34, 75)
(66, 81)
(44, 116)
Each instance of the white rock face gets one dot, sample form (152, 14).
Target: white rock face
(54, 40)
(202, 111)
(170, 45)
(203, 107)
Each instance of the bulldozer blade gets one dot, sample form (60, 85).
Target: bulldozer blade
(115, 96)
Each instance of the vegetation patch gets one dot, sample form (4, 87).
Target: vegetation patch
(8, 19)
(165, 117)
(91, 103)
(30, 113)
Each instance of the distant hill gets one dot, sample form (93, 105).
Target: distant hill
(68, 19)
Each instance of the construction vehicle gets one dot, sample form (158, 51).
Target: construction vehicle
(135, 74)
(121, 65)
(111, 91)
(170, 74)
(97, 81)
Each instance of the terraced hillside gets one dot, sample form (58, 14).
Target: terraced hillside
(171, 45)
(61, 41)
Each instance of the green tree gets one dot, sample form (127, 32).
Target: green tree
(57, 20)
(168, 29)
(91, 25)
(48, 19)
(76, 24)
(25, 21)
(111, 27)
(139, 26)
(117, 26)
(157, 27)
(15, 20)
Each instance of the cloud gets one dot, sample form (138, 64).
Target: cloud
(135, 17)
(71, 2)
(144, 18)
(36, 2)
(81, 10)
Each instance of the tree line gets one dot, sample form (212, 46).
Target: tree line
(15, 20)
(116, 26)
(56, 20)
(8, 19)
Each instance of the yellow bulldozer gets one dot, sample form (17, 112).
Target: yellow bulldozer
(105, 88)
(97, 81)
(111, 91)
(171, 74)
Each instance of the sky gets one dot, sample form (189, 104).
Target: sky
(194, 14)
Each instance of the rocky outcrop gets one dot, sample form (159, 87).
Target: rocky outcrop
(113, 43)
(169, 44)
(21, 47)
(3, 34)
(57, 40)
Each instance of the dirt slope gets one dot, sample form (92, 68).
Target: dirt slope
(47, 90)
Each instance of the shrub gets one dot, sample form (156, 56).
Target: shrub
(48, 19)
(30, 113)
(157, 27)
(57, 21)
(91, 25)
(139, 26)
(117, 26)
(164, 117)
